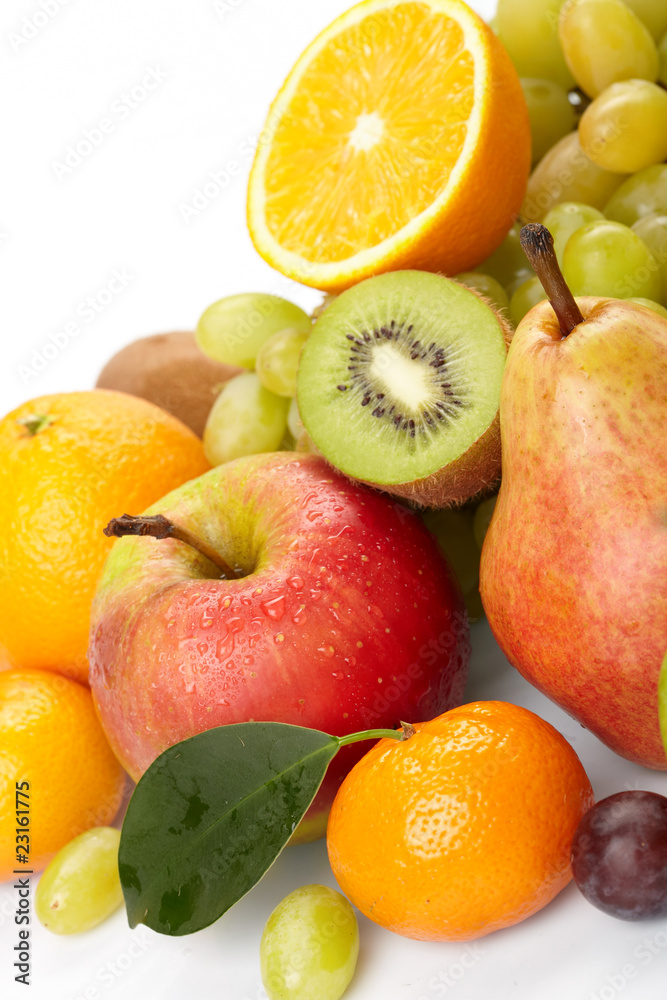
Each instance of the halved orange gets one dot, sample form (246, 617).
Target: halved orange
(400, 139)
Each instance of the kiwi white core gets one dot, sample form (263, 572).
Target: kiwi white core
(401, 376)
(398, 374)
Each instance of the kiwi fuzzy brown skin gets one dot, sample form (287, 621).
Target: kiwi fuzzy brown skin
(170, 370)
(473, 475)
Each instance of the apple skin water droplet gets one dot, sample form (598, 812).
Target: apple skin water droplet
(275, 608)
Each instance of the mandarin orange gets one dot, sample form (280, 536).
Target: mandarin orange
(58, 775)
(461, 829)
(68, 464)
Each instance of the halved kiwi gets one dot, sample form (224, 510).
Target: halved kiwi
(399, 385)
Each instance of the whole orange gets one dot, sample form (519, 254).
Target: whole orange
(58, 775)
(461, 829)
(68, 464)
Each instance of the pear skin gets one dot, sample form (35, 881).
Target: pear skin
(574, 565)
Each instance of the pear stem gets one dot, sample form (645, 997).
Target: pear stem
(538, 246)
(158, 526)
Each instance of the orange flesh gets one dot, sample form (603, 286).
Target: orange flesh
(371, 137)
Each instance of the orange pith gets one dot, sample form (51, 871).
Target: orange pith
(400, 139)
(463, 829)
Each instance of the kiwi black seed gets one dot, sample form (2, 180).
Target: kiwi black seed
(399, 385)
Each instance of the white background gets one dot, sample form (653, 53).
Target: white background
(215, 67)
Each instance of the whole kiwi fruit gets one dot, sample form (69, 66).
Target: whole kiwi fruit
(169, 369)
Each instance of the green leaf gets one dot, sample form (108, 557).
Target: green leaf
(210, 816)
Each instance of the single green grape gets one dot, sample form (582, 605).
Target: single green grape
(652, 229)
(508, 264)
(525, 297)
(486, 286)
(609, 259)
(566, 174)
(565, 219)
(246, 419)
(529, 31)
(662, 55)
(278, 361)
(482, 519)
(603, 42)
(625, 128)
(644, 193)
(310, 945)
(233, 329)
(652, 13)
(81, 887)
(454, 534)
(550, 112)
(654, 306)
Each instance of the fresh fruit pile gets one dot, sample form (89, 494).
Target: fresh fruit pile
(257, 621)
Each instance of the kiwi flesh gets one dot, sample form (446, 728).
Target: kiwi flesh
(399, 386)
(169, 369)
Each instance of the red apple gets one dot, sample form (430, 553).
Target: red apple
(346, 616)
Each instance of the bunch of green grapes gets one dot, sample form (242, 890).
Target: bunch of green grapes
(459, 533)
(594, 74)
(256, 411)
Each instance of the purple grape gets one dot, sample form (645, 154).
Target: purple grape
(619, 855)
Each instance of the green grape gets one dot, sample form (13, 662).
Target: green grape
(456, 540)
(604, 42)
(644, 193)
(310, 945)
(529, 31)
(81, 887)
(566, 174)
(551, 114)
(246, 419)
(525, 297)
(652, 13)
(654, 306)
(607, 258)
(662, 54)
(625, 128)
(508, 264)
(294, 424)
(233, 329)
(565, 219)
(487, 286)
(482, 519)
(652, 229)
(278, 361)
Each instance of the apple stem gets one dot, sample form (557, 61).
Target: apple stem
(378, 734)
(538, 246)
(158, 526)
